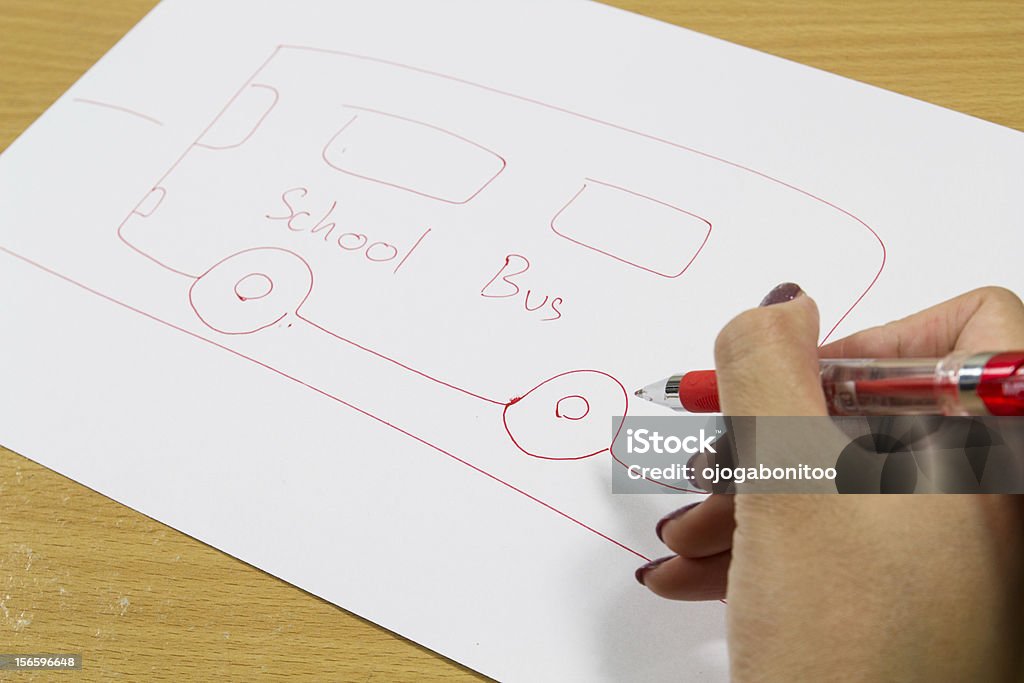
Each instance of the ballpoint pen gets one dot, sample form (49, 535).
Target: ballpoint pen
(959, 384)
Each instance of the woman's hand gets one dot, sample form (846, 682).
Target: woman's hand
(899, 587)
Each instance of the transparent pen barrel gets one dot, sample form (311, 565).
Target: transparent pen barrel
(906, 386)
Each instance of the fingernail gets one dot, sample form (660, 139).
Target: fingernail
(672, 515)
(648, 567)
(787, 291)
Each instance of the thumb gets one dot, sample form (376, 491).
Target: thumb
(767, 358)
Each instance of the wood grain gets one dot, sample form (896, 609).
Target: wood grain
(80, 573)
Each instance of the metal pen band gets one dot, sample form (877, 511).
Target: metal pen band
(967, 383)
(672, 387)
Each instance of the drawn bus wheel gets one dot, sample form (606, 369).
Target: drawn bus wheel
(566, 417)
(251, 290)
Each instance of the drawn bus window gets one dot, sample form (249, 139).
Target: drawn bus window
(241, 119)
(637, 230)
(411, 155)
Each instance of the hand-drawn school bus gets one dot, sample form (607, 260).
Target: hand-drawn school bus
(459, 244)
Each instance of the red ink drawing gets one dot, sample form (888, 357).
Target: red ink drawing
(515, 264)
(215, 297)
(637, 230)
(501, 286)
(245, 281)
(413, 248)
(578, 407)
(539, 433)
(352, 241)
(378, 251)
(242, 120)
(253, 286)
(539, 306)
(116, 107)
(331, 397)
(406, 154)
(150, 203)
(554, 307)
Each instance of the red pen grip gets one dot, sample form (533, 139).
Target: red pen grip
(698, 392)
(1002, 384)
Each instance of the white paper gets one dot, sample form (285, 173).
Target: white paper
(351, 290)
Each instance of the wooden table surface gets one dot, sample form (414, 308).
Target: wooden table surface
(80, 573)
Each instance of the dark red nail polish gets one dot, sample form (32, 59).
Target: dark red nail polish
(672, 515)
(648, 567)
(787, 291)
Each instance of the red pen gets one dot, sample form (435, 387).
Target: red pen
(959, 384)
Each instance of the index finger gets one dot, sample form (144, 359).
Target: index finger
(986, 319)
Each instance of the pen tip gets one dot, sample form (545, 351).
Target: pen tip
(640, 393)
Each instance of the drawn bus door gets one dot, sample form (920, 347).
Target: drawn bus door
(241, 119)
